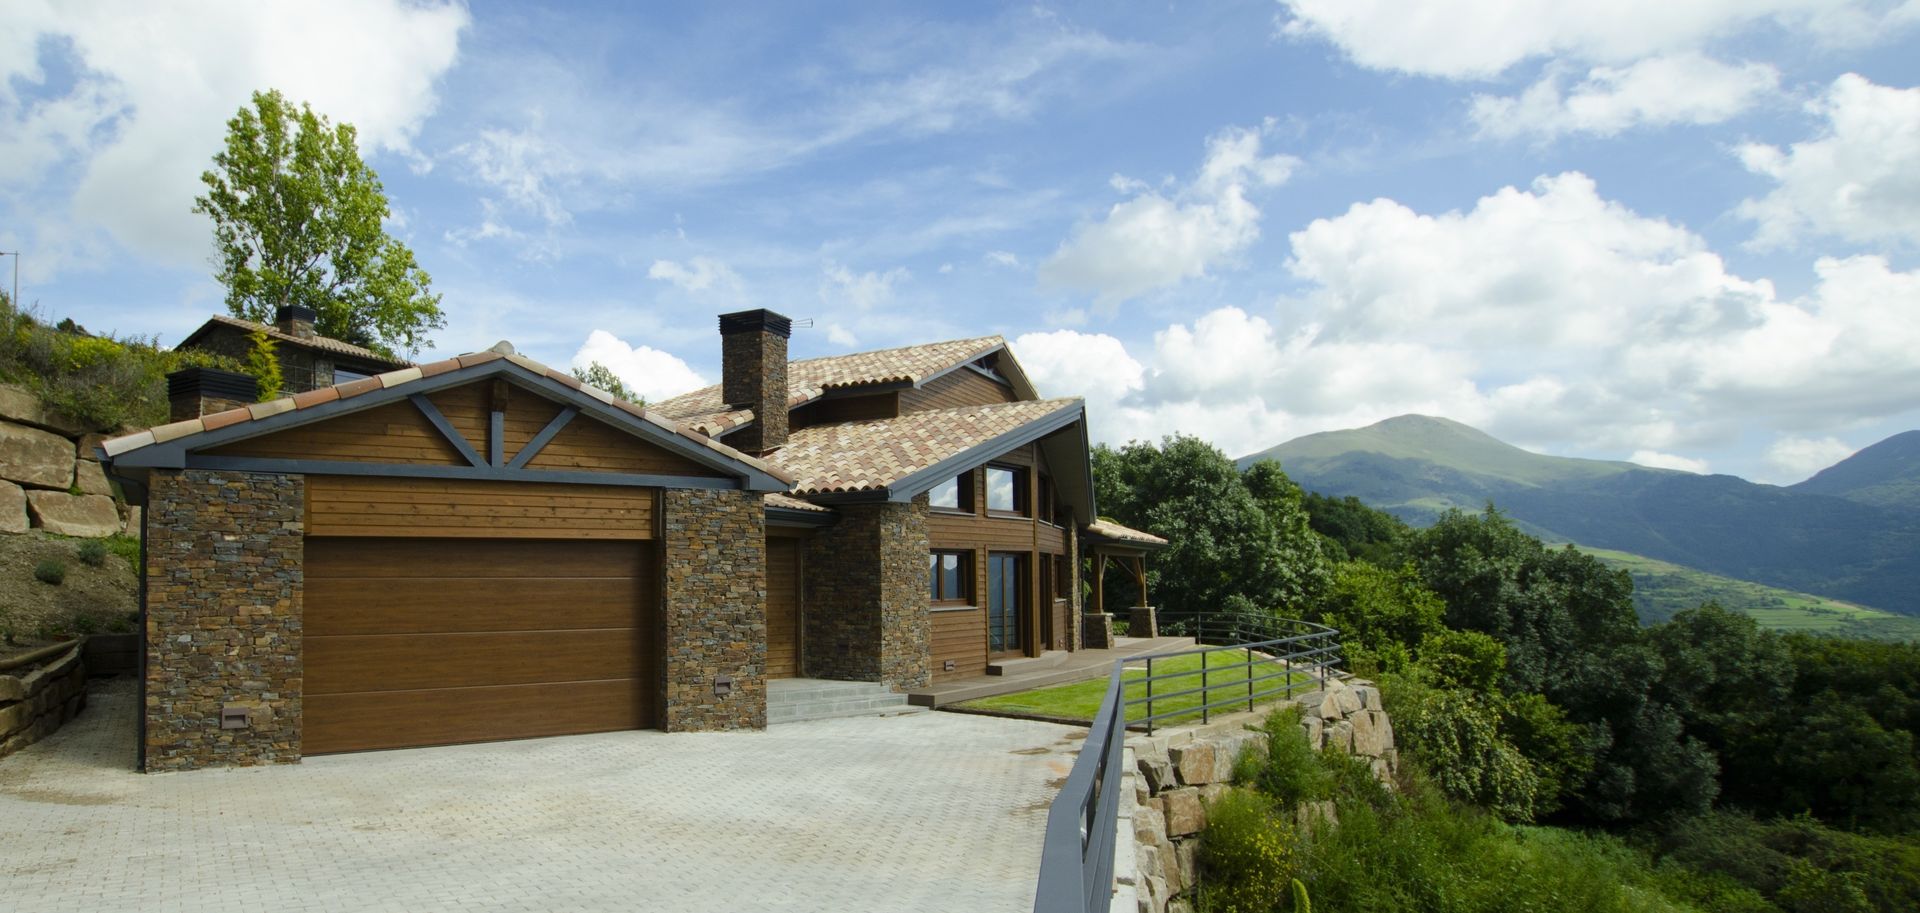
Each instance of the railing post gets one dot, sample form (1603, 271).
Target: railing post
(1203, 690)
(1149, 694)
(1249, 652)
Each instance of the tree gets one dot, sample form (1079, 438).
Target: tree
(599, 375)
(297, 221)
(264, 364)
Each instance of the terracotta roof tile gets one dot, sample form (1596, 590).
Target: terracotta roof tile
(354, 388)
(439, 367)
(1112, 530)
(396, 378)
(174, 430)
(270, 408)
(808, 379)
(865, 456)
(477, 358)
(219, 420)
(315, 397)
(777, 499)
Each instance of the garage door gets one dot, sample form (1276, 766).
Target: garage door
(415, 642)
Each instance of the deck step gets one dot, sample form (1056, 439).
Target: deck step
(794, 699)
(1023, 664)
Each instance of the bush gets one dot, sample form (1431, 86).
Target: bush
(92, 553)
(1290, 771)
(98, 381)
(1457, 734)
(127, 547)
(50, 571)
(1247, 854)
(1798, 863)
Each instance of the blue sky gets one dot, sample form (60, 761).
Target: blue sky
(1680, 233)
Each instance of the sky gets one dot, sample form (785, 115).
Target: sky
(1681, 233)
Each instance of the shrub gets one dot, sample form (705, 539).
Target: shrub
(92, 553)
(1290, 771)
(1457, 734)
(99, 381)
(127, 547)
(1247, 854)
(50, 571)
(264, 365)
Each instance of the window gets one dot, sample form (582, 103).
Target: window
(949, 576)
(953, 494)
(1007, 489)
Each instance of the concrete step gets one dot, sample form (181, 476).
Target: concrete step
(1024, 664)
(792, 700)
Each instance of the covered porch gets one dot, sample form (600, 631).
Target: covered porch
(1106, 542)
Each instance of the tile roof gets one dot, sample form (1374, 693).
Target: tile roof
(323, 343)
(217, 420)
(868, 456)
(1110, 530)
(809, 379)
(776, 499)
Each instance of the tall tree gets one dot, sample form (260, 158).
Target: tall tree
(297, 217)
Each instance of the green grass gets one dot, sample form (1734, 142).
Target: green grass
(1081, 700)
(1661, 589)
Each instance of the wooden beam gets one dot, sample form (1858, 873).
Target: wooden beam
(446, 429)
(1140, 574)
(540, 441)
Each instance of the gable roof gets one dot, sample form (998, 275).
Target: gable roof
(168, 446)
(1107, 532)
(317, 343)
(904, 456)
(813, 378)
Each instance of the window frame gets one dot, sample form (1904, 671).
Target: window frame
(935, 594)
(1022, 498)
(964, 483)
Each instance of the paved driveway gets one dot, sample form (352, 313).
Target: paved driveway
(923, 812)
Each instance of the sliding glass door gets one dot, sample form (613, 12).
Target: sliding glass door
(1006, 593)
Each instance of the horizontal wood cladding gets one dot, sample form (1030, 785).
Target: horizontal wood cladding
(963, 531)
(397, 662)
(590, 445)
(962, 387)
(845, 409)
(783, 607)
(469, 409)
(1051, 539)
(959, 635)
(447, 716)
(393, 433)
(456, 508)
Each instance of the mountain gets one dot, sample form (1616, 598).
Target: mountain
(1418, 466)
(1886, 474)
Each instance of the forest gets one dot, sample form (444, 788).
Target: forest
(1559, 753)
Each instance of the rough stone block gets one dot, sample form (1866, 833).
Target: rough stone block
(1230, 747)
(13, 718)
(132, 525)
(91, 479)
(1185, 814)
(1180, 905)
(1186, 857)
(1310, 816)
(11, 688)
(1339, 737)
(1158, 772)
(91, 516)
(1382, 771)
(35, 458)
(1370, 697)
(1196, 763)
(1314, 727)
(18, 404)
(13, 509)
(1349, 701)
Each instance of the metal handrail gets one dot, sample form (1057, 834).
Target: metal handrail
(1076, 860)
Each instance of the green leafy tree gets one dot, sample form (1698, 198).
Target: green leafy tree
(599, 375)
(1349, 527)
(264, 364)
(1383, 616)
(297, 220)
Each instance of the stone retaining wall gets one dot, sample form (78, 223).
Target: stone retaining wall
(1171, 777)
(50, 477)
(35, 703)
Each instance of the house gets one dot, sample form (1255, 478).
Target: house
(308, 361)
(484, 548)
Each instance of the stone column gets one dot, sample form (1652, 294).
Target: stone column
(225, 557)
(867, 612)
(715, 610)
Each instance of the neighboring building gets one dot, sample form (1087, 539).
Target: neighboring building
(482, 548)
(308, 361)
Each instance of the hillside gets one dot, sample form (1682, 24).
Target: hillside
(1886, 474)
(1417, 467)
(1661, 589)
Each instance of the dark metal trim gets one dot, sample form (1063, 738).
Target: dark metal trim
(446, 429)
(496, 438)
(911, 486)
(540, 441)
(793, 517)
(486, 473)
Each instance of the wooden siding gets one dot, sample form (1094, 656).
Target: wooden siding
(959, 635)
(393, 433)
(960, 387)
(587, 444)
(469, 409)
(380, 506)
(783, 607)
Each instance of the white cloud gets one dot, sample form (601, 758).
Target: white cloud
(700, 274)
(1477, 39)
(1002, 258)
(154, 85)
(1683, 88)
(1859, 179)
(1658, 460)
(1795, 458)
(1153, 240)
(651, 373)
(1093, 366)
(865, 291)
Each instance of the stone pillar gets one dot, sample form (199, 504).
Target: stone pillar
(1099, 630)
(225, 554)
(715, 610)
(1143, 621)
(866, 595)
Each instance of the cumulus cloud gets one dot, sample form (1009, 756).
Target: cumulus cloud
(1658, 460)
(1859, 179)
(152, 86)
(1094, 366)
(700, 274)
(1795, 458)
(1155, 240)
(1684, 88)
(865, 291)
(649, 372)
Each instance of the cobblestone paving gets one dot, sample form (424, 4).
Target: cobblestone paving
(919, 812)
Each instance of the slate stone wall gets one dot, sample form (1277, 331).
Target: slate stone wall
(224, 615)
(866, 595)
(715, 609)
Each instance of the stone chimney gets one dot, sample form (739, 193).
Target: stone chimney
(753, 375)
(195, 392)
(295, 320)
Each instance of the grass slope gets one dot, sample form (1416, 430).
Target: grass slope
(1886, 474)
(1661, 589)
(1081, 700)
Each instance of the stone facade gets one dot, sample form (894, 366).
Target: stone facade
(866, 595)
(715, 610)
(44, 457)
(38, 699)
(753, 375)
(223, 626)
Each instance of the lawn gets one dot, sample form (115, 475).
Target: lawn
(1081, 700)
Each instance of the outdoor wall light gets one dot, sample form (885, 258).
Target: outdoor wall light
(722, 685)
(234, 717)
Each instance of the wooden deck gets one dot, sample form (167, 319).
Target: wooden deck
(1056, 667)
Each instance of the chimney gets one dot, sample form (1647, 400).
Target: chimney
(295, 320)
(194, 392)
(753, 375)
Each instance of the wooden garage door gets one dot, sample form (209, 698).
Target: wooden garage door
(434, 641)
(783, 608)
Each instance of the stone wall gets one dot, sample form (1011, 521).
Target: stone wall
(866, 596)
(223, 627)
(715, 610)
(50, 477)
(1174, 775)
(38, 700)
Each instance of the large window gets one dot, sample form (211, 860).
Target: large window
(1006, 489)
(950, 577)
(953, 494)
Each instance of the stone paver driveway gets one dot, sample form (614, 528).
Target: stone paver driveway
(921, 812)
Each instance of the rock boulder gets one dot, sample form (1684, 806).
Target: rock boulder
(13, 508)
(90, 516)
(35, 458)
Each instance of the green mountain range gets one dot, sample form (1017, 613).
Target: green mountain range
(1858, 541)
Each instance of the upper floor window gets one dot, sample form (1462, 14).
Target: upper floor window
(953, 494)
(1006, 489)
(949, 576)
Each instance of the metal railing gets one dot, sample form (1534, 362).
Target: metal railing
(1076, 860)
